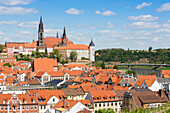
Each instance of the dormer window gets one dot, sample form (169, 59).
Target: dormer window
(3, 101)
(25, 101)
(33, 101)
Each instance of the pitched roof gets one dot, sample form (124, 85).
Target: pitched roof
(74, 46)
(33, 82)
(73, 91)
(44, 64)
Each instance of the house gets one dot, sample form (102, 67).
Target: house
(104, 100)
(165, 73)
(120, 94)
(47, 98)
(143, 98)
(54, 83)
(69, 106)
(44, 64)
(10, 103)
(10, 59)
(74, 93)
(164, 83)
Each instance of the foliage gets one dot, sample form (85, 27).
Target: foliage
(105, 111)
(116, 67)
(102, 65)
(7, 64)
(161, 109)
(83, 58)
(150, 48)
(1, 47)
(130, 56)
(131, 72)
(73, 55)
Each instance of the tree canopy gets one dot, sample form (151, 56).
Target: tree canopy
(73, 55)
(1, 47)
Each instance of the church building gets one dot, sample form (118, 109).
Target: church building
(62, 44)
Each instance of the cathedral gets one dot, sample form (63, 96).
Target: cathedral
(62, 44)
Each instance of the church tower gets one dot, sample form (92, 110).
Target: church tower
(40, 33)
(92, 51)
(64, 36)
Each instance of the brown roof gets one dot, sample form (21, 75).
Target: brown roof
(73, 91)
(33, 82)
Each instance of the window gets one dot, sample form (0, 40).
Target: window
(27, 107)
(10, 108)
(31, 107)
(111, 104)
(107, 104)
(41, 107)
(18, 108)
(35, 107)
(44, 107)
(53, 99)
(33, 101)
(5, 108)
(3, 101)
(25, 101)
(103, 104)
(115, 103)
(23, 107)
(95, 105)
(99, 105)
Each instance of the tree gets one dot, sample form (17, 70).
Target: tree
(46, 52)
(73, 55)
(63, 62)
(7, 64)
(1, 47)
(102, 65)
(116, 67)
(150, 48)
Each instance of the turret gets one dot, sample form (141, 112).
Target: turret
(92, 51)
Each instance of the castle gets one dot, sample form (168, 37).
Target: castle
(63, 45)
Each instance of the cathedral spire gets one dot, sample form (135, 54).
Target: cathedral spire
(41, 25)
(64, 33)
(57, 35)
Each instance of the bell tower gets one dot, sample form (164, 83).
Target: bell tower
(40, 33)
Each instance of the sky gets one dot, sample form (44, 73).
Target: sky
(133, 24)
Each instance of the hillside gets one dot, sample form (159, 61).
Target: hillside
(160, 56)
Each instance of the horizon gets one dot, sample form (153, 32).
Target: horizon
(136, 25)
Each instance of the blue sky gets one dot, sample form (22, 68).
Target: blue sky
(133, 24)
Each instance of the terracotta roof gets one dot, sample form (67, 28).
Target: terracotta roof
(74, 46)
(100, 96)
(47, 94)
(33, 82)
(44, 64)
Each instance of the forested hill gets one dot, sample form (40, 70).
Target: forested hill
(134, 56)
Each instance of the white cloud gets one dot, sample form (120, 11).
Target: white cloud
(82, 25)
(52, 32)
(166, 24)
(143, 18)
(164, 7)
(105, 13)
(155, 39)
(144, 25)
(15, 2)
(16, 10)
(110, 25)
(73, 11)
(163, 31)
(8, 22)
(144, 4)
(24, 32)
(32, 24)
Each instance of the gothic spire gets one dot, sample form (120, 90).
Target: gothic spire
(57, 35)
(64, 33)
(41, 25)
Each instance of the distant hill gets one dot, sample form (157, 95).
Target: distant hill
(160, 56)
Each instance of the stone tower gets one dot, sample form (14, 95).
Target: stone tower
(40, 33)
(92, 51)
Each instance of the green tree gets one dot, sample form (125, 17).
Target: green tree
(63, 62)
(1, 47)
(150, 48)
(102, 65)
(73, 55)
(7, 64)
(116, 67)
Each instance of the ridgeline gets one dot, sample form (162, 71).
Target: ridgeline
(157, 56)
